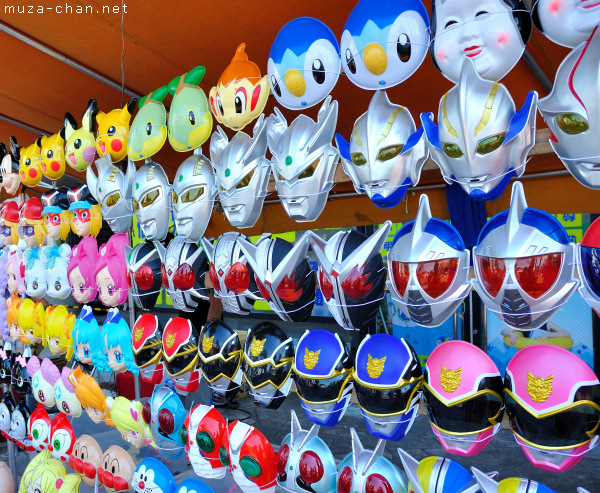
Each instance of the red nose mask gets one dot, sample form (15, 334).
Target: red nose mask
(89, 470)
(76, 464)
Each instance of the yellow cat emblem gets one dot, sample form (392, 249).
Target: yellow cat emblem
(138, 334)
(207, 343)
(311, 358)
(170, 340)
(539, 388)
(375, 366)
(256, 347)
(450, 379)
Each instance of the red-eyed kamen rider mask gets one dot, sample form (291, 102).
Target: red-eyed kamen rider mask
(62, 438)
(207, 442)
(143, 274)
(146, 340)
(180, 350)
(588, 265)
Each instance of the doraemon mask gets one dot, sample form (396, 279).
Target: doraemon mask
(143, 274)
(429, 266)
(80, 144)
(568, 23)
(384, 42)
(148, 130)
(180, 353)
(193, 196)
(152, 476)
(386, 152)
(323, 376)
(146, 342)
(242, 172)
(510, 485)
(352, 275)
(304, 63)
(304, 161)
(524, 264)
(152, 200)
(304, 461)
(165, 415)
(283, 275)
(571, 112)
(588, 265)
(480, 141)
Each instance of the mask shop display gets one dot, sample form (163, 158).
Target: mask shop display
(165, 415)
(144, 274)
(113, 131)
(180, 353)
(80, 143)
(147, 348)
(568, 23)
(9, 168)
(148, 131)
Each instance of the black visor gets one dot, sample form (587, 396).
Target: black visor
(321, 390)
(180, 364)
(258, 376)
(220, 367)
(385, 401)
(146, 355)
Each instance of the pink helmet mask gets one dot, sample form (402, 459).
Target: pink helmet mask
(463, 397)
(545, 387)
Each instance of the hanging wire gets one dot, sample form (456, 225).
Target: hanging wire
(122, 52)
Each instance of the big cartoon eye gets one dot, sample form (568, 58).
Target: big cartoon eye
(572, 123)
(35, 285)
(174, 197)
(250, 466)
(205, 442)
(81, 287)
(312, 470)
(111, 131)
(192, 194)
(150, 197)
(275, 86)
(490, 144)
(65, 407)
(389, 152)
(118, 357)
(403, 48)
(61, 440)
(77, 144)
(318, 71)
(309, 171)
(112, 199)
(244, 182)
(220, 105)
(358, 159)
(49, 154)
(110, 289)
(166, 423)
(350, 61)
(39, 430)
(240, 101)
(27, 162)
(149, 128)
(452, 150)
(86, 352)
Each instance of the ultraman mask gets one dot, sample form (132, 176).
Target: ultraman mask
(242, 172)
(429, 266)
(480, 141)
(571, 112)
(304, 161)
(180, 353)
(152, 200)
(364, 471)
(524, 264)
(386, 152)
(352, 275)
(39, 428)
(230, 275)
(146, 342)
(194, 192)
(283, 276)
(568, 23)
(113, 191)
(304, 461)
(206, 431)
(143, 274)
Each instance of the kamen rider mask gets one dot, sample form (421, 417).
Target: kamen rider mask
(364, 471)
(510, 485)
(553, 405)
(463, 396)
(388, 379)
(182, 270)
(571, 112)
(180, 353)
(113, 190)
(193, 195)
(152, 200)
(230, 275)
(283, 275)
(207, 442)
(352, 275)
(242, 172)
(146, 342)
(252, 460)
(567, 23)
(220, 358)
(386, 152)
(39, 428)
(143, 274)
(267, 365)
(524, 264)
(430, 269)
(304, 161)
(304, 461)
(480, 140)
(588, 265)
(323, 376)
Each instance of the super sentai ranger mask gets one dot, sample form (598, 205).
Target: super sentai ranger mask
(463, 396)
(165, 415)
(571, 112)
(323, 376)
(480, 140)
(429, 266)
(568, 23)
(510, 485)
(146, 341)
(386, 152)
(387, 380)
(304, 461)
(143, 274)
(152, 200)
(242, 172)
(524, 264)
(588, 265)
(180, 353)
(545, 387)
(352, 275)
(304, 161)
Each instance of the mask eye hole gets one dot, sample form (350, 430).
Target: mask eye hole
(112, 199)
(192, 194)
(309, 171)
(350, 61)
(403, 48)
(358, 159)
(490, 144)
(149, 198)
(244, 182)
(389, 152)
(452, 150)
(205, 442)
(250, 466)
(572, 123)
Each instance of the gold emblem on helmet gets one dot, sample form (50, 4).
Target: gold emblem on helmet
(138, 334)
(256, 347)
(450, 379)
(311, 358)
(375, 366)
(539, 388)
(170, 340)
(207, 343)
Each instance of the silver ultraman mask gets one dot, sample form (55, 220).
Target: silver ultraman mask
(304, 161)
(113, 191)
(242, 172)
(524, 264)
(572, 112)
(386, 152)
(429, 269)
(480, 141)
(152, 200)
(194, 192)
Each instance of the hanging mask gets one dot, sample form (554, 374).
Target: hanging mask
(242, 172)
(111, 271)
(64, 394)
(86, 215)
(304, 461)
(43, 375)
(57, 264)
(352, 275)
(19, 378)
(323, 376)
(116, 469)
(149, 128)
(152, 200)
(31, 222)
(193, 196)
(39, 428)
(180, 353)
(502, 137)
(116, 343)
(113, 131)
(151, 475)
(304, 161)
(283, 275)
(81, 270)
(30, 169)
(193, 485)
(567, 23)
(386, 152)
(588, 266)
(5, 357)
(429, 266)
(19, 420)
(143, 274)
(524, 264)
(510, 485)
(9, 168)
(267, 365)
(80, 144)
(87, 340)
(35, 272)
(147, 347)
(85, 459)
(52, 155)
(220, 354)
(56, 214)
(62, 438)
(7, 406)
